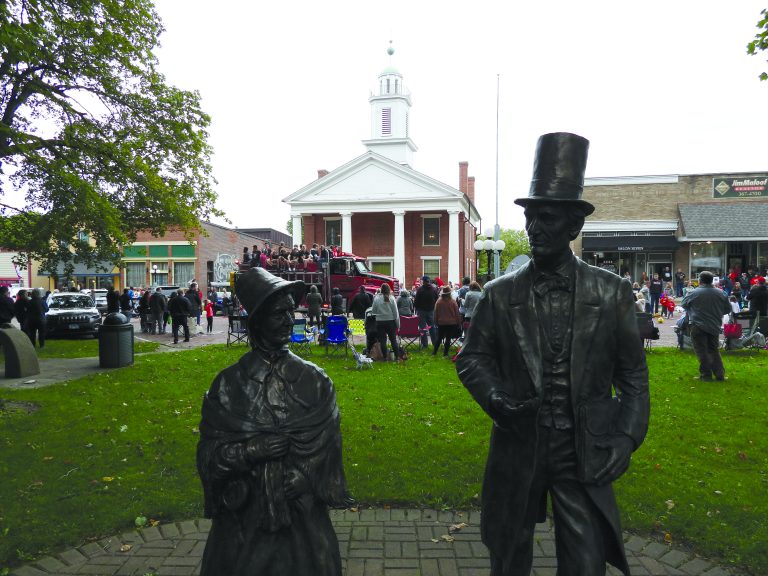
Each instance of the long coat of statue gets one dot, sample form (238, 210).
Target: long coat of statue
(502, 352)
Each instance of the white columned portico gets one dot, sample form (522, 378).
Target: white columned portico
(297, 229)
(399, 264)
(453, 246)
(346, 232)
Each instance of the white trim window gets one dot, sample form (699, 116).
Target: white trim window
(333, 231)
(431, 230)
(430, 267)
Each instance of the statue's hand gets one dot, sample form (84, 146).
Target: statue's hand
(295, 484)
(620, 448)
(269, 447)
(505, 410)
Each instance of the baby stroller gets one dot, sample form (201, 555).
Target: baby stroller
(371, 334)
(683, 331)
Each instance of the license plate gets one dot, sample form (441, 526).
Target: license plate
(74, 326)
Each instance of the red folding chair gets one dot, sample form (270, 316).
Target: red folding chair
(409, 333)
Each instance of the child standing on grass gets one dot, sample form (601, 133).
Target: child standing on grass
(208, 307)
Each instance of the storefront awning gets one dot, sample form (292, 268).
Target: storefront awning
(725, 220)
(628, 243)
(105, 269)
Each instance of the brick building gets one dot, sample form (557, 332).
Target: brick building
(403, 222)
(208, 258)
(692, 222)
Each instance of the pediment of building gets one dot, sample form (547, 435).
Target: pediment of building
(372, 178)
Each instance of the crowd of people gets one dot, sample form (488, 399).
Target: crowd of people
(283, 258)
(745, 289)
(29, 309)
(443, 310)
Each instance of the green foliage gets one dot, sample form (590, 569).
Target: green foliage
(104, 451)
(91, 134)
(760, 42)
(516, 243)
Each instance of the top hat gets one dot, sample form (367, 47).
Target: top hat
(558, 171)
(255, 286)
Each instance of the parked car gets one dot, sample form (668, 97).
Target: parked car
(165, 289)
(100, 296)
(71, 313)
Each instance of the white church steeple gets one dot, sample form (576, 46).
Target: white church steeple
(389, 117)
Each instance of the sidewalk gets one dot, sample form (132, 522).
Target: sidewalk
(373, 542)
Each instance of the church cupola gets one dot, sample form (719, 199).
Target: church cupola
(390, 105)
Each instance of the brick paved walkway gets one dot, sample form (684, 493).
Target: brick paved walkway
(373, 542)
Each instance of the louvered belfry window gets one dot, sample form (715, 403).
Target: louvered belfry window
(386, 121)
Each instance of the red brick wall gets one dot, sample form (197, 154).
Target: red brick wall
(373, 235)
(219, 240)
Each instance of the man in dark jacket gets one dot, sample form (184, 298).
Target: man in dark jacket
(706, 306)
(424, 304)
(20, 309)
(337, 303)
(113, 301)
(6, 306)
(758, 298)
(126, 305)
(548, 344)
(180, 310)
(360, 303)
(655, 288)
(158, 306)
(195, 302)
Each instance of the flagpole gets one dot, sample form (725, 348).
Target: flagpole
(496, 229)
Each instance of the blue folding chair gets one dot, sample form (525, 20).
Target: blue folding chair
(337, 334)
(302, 337)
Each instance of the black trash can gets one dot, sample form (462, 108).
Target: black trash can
(115, 341)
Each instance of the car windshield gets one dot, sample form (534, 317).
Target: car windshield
(71, 301)
(362, 268)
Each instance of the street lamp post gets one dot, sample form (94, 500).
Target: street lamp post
(154, 274)
(489, 245)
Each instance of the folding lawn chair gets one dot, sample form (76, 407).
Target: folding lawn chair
(302, 337)
(648, 332)
(361, 360)
(409, 333)
(237, 330)
(337, 335)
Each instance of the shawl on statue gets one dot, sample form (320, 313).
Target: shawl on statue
(236, 410)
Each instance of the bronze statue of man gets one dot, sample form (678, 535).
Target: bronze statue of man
(548, 345)
(269, 455)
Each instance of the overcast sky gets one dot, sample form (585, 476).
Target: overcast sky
(659, 87)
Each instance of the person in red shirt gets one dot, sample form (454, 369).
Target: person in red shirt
(208, 307)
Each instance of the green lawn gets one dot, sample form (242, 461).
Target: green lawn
(98, 452)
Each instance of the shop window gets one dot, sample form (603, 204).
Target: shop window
(431, 231)
(135, 274)
(707, 256)
(762, 256)
(183, 273)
